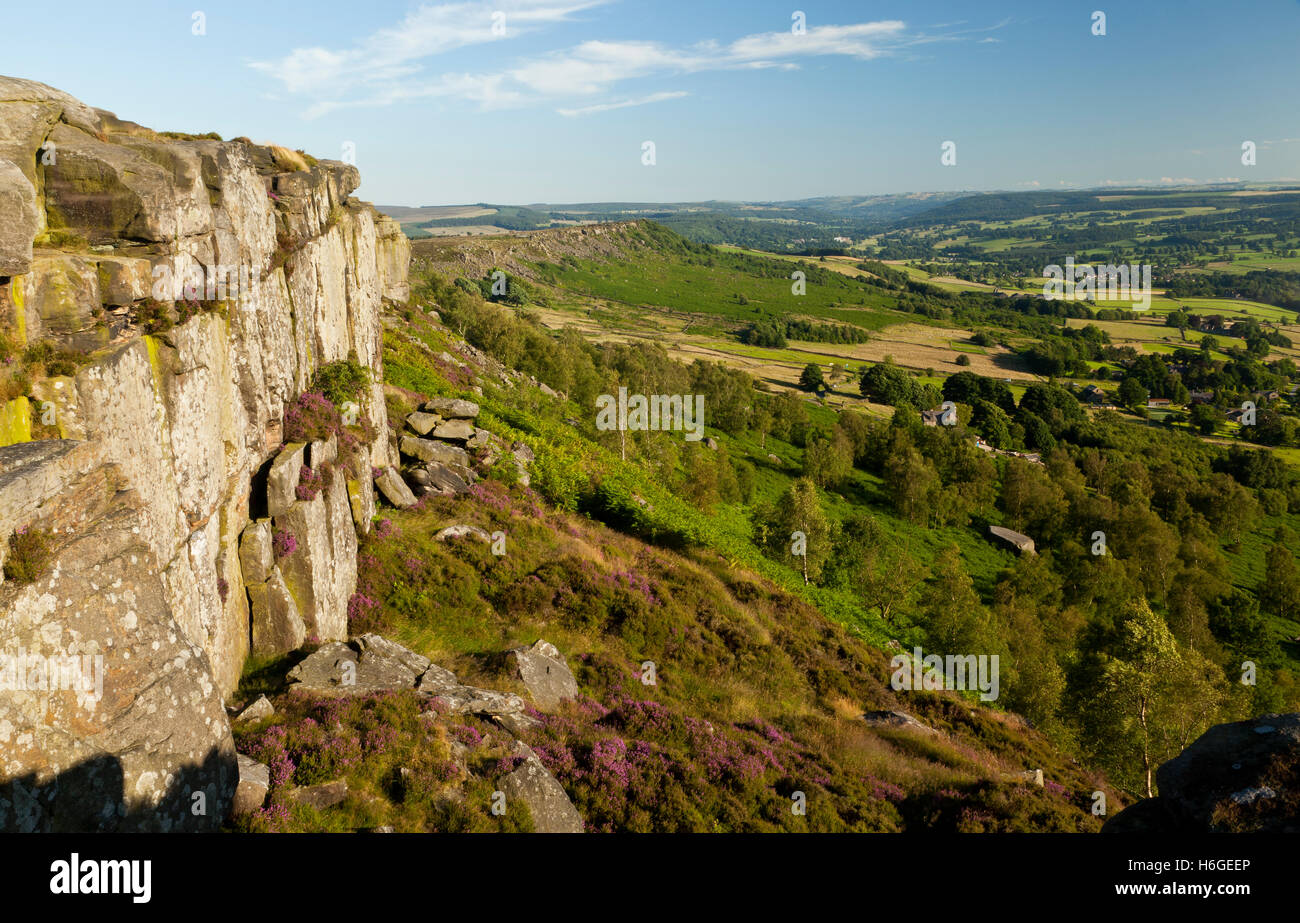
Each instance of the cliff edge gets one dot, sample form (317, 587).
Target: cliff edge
(168, 307)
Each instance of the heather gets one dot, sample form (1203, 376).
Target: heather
(757, 695)
(394, 752)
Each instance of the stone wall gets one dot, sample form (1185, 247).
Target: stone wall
(104, 224)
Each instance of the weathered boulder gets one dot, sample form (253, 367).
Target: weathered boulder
(1235, 778)
(259, 709)
(1238, 777)
(551, 809)
(423, 423)
(368, 664)
(254, 784)
(462, 531)
(896, 719)
(544, 672)
(454, 430)
(449, 479)
(430, 450)
(451, 408)
(471, 700)
(21, 224)
(394, 489)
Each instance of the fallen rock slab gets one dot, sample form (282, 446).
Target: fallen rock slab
(451, 408)
(423, 423)
(367, 664)
(454, 430)
(430, 450)
(394, 489)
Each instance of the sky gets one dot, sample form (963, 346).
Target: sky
(527, 101)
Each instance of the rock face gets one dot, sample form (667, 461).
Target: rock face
(1239, 777)
(279, 271)
(121, 723)
(543, 671)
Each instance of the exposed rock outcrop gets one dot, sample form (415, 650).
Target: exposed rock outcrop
(1238, 777)
(252, 268)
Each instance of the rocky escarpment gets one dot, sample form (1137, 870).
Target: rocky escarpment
(191, 289)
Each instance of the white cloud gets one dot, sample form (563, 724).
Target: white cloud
(392, 54)
(623, 104)
(389, 66)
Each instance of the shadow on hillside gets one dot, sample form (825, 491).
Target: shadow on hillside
(90, 798)
(1012, 362)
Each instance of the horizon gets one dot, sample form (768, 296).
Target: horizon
(1281, 186)
(551, 101)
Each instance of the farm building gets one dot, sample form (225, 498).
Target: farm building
(1094, 395)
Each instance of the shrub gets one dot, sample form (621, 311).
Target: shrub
(154, 316)
(284, 544)
(310, 483)
(312, 417)
(29, 555)
(341, 381)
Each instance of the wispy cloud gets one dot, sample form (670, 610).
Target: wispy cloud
(623, 104)
(395, 64)
(394, 53)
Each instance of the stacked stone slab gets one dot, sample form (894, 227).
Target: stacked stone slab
(435, 448)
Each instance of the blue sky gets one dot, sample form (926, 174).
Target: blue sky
(442, 109)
